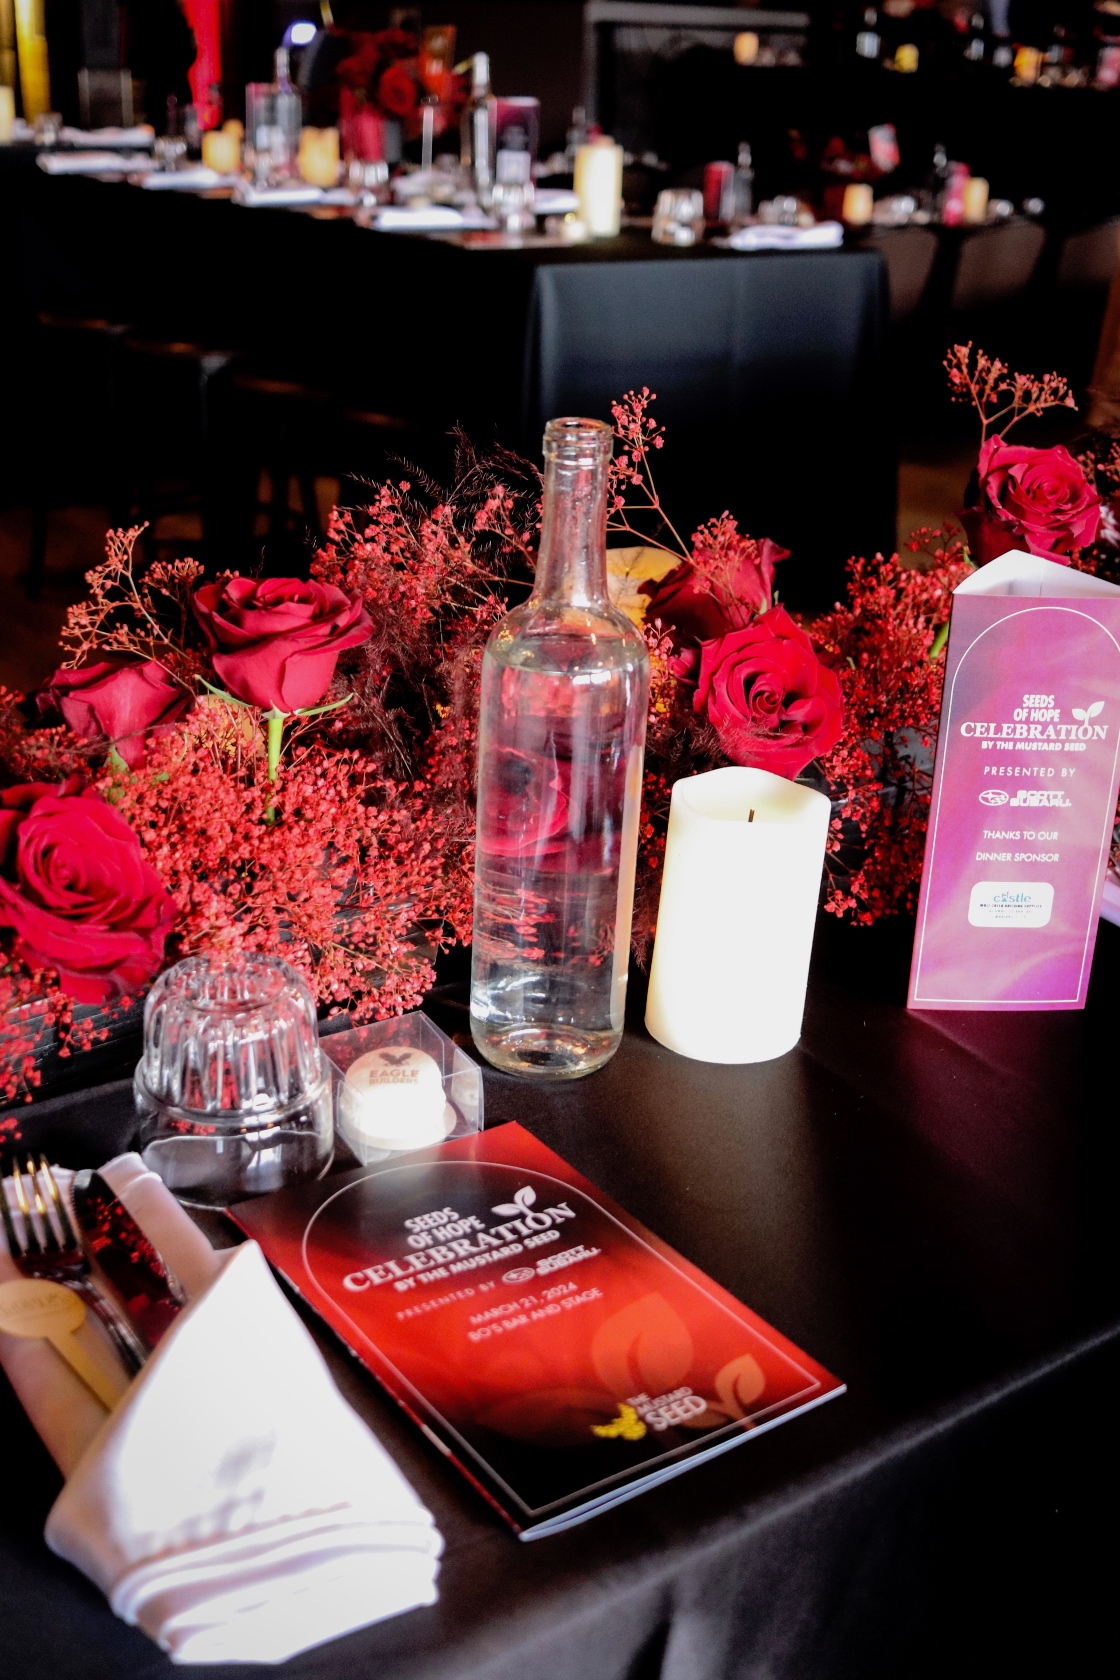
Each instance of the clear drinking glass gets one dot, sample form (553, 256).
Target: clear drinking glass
(678, 217)
(233, 1093)
(565, 683)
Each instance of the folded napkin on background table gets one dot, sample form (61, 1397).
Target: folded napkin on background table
(90, 163)
(232, 1505)
(426, 218)
(253, 197)
(134, 138)
(187, 180)
(763, 236)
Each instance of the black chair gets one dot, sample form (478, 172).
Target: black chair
(995, 266)
(909, 254)
(1088, 260)
(77, 457)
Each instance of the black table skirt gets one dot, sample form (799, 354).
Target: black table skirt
(768, 368)
(926, 1204)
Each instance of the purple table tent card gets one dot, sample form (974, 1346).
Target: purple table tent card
(1024, 790)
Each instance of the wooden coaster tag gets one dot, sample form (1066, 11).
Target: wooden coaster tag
(42, 1311)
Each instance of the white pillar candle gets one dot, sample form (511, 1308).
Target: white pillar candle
(743, 861)
(7, 114)
(598, 184)
(975, 200)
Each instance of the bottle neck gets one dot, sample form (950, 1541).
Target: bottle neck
(572, 563)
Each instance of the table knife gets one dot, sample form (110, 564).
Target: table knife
(126, 1258)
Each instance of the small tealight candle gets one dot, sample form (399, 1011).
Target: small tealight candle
(974, 201)
(393, 1099)
(598, 185)
(319, 157)
(743, 861)
(221, 151)
(859, 201)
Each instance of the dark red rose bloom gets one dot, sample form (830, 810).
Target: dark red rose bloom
(1037, 499)
(773, 703)
(77, 892)
(693, 610)
(276, 640)
(118, 699)
(397, 92)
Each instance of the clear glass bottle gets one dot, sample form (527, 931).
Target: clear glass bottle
(478, 133)
(742, 188)
(565, 686)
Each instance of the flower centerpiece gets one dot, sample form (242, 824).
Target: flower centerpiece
(238, 764)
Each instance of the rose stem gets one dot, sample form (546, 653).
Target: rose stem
(275, 720)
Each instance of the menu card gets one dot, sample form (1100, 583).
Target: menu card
(562, 1356)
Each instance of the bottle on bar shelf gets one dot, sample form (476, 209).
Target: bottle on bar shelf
(478, 132)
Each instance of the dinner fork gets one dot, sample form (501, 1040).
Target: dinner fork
(60, 1262)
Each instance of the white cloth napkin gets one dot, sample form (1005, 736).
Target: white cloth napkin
(187, 180)
(762, 236)
(233, 1505)
(426, 218)
(556, 201)
(130, 139)
(91, 163)
(254, 197)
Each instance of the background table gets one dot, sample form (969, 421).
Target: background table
(767, 368)
(927, 1205)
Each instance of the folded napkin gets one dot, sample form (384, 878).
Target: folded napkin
(556, 201)
(253, 197)
(134, 138)
(768, 236)
(187, 180)
(91, 163)
(233, 1505)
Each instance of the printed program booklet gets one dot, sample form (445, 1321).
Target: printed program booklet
(562, 1356)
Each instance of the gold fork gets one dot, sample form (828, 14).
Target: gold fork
(60, 1262)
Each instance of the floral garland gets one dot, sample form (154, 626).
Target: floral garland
(273, 765)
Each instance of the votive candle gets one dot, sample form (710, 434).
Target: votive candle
(598, 184)
(859, 201)
(319, 156)
(221, 151)
(741, 884)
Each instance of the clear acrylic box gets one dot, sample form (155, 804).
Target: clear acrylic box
(380, 1108)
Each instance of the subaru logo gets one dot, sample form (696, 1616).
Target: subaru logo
(994, 796)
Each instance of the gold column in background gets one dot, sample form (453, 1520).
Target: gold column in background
(34, 72)
(7, 44)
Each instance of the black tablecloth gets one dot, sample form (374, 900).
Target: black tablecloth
(927, 1205)
(767, 368)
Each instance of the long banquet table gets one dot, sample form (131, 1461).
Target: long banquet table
(927, 1205)
(768, 368)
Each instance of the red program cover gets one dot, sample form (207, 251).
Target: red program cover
(561, 1354)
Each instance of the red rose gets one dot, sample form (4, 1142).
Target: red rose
(117, 699)
(694, 610)
(77, 892)
(1038, 499)
(277, 640)
(396, 91)
(773, 703)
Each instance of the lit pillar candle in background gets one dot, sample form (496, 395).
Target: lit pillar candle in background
(974, 201)
(319, 156)
(859, 201)
(738, 905)
(7, 113)
(598, 184)
(221, 151)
